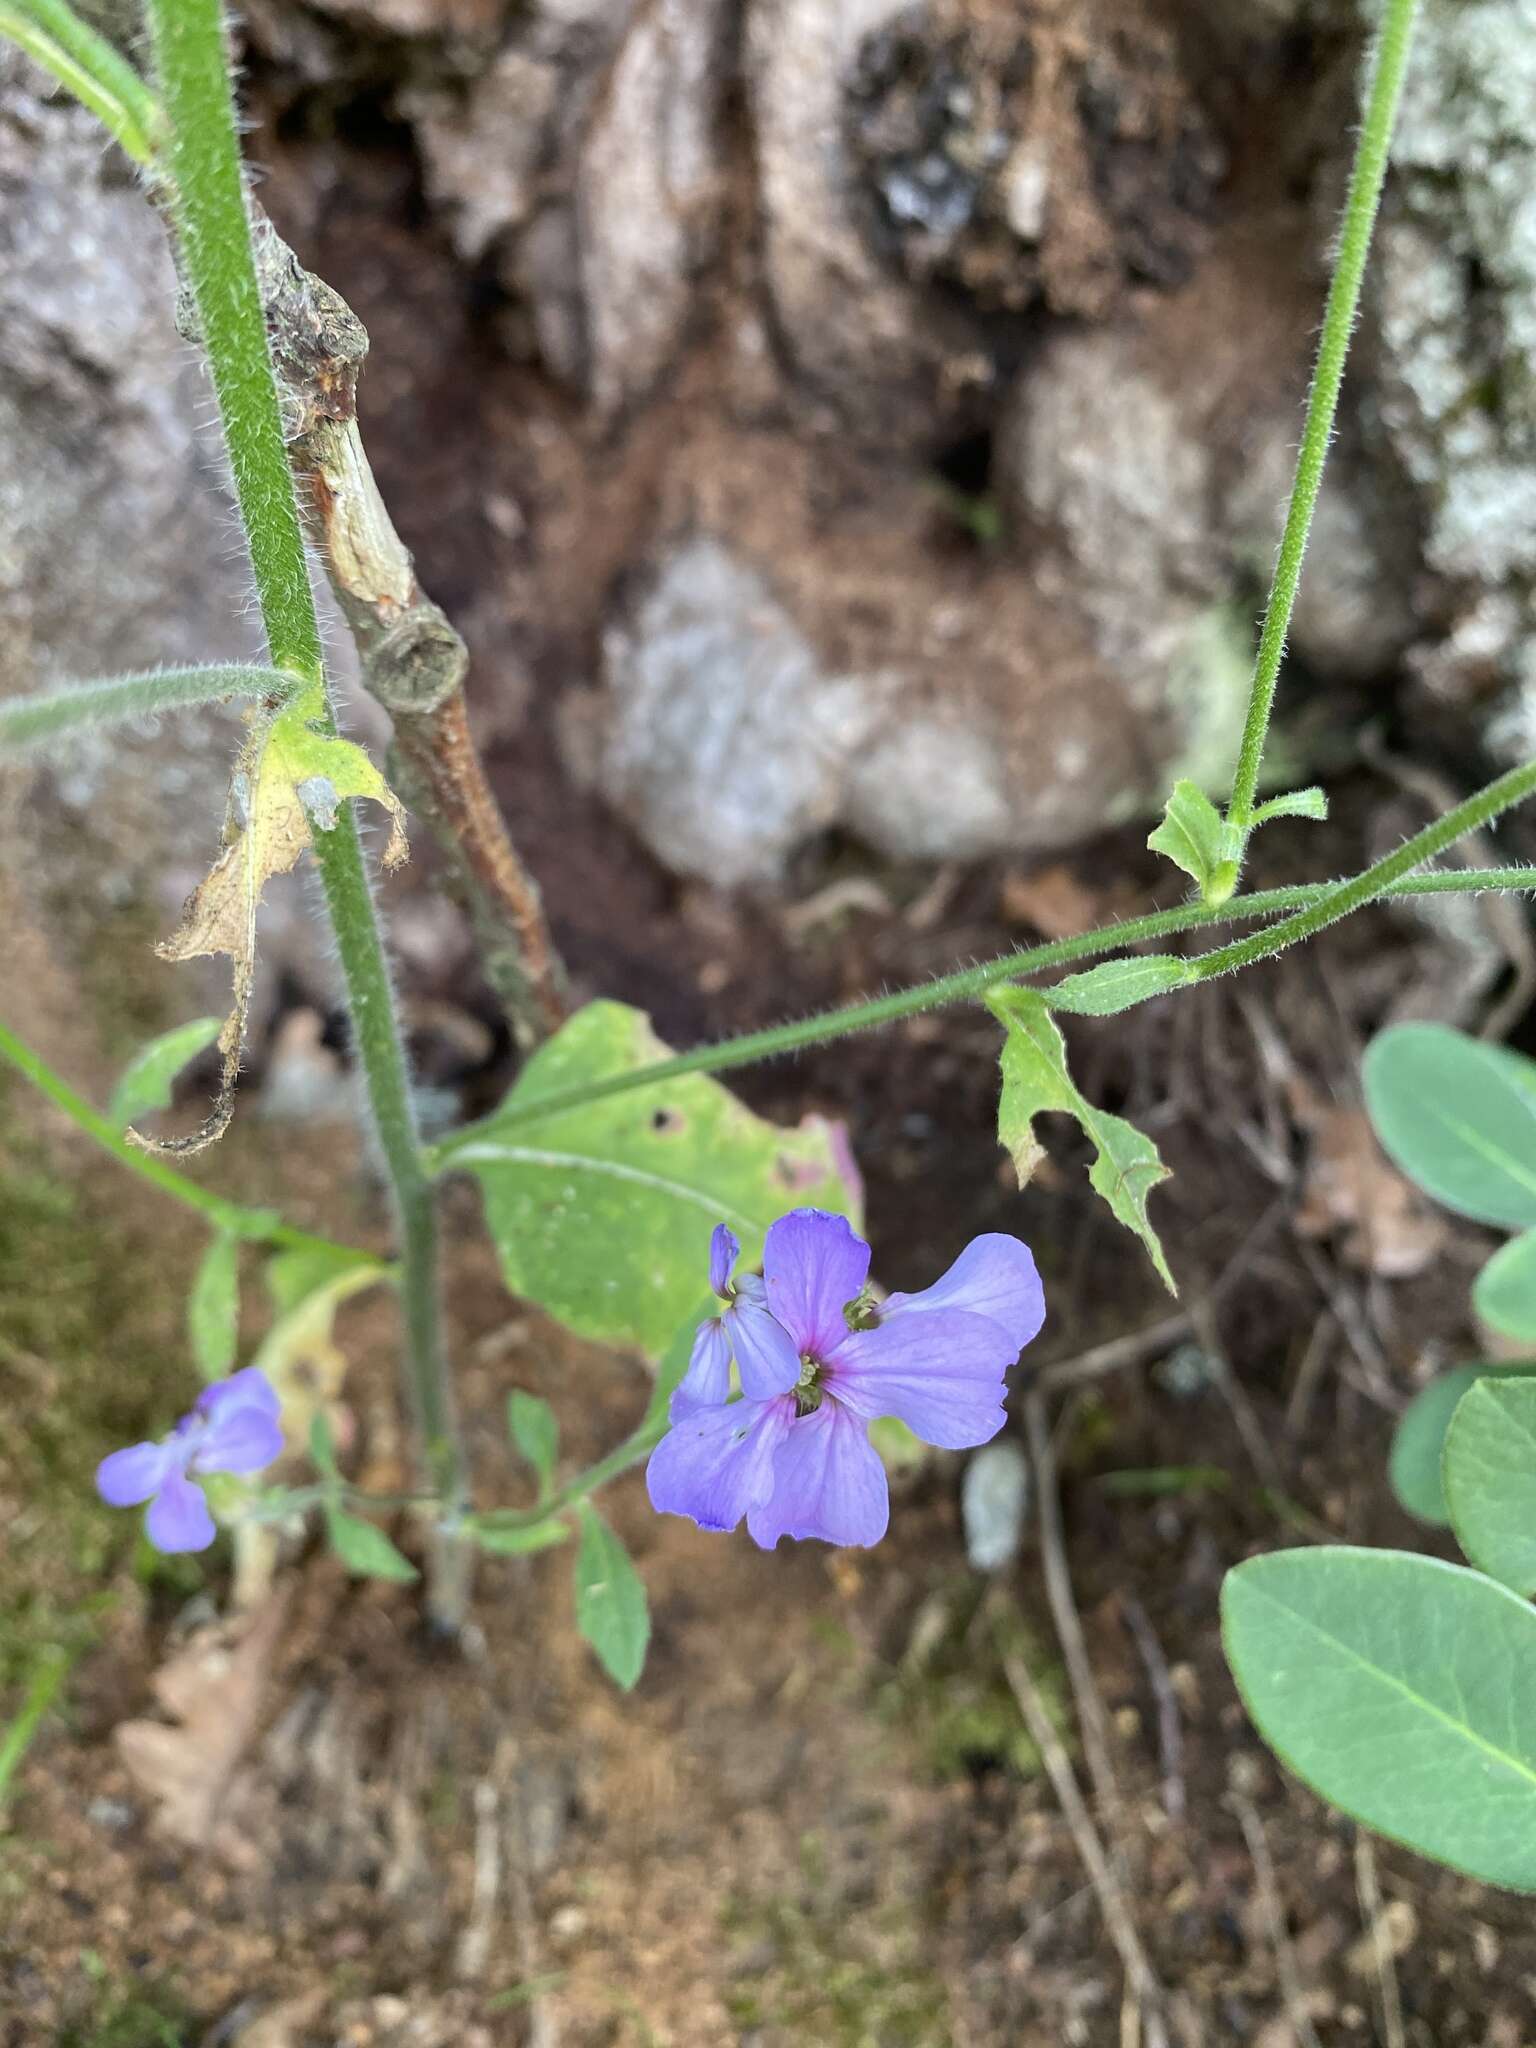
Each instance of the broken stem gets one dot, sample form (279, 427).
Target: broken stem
(208, 205)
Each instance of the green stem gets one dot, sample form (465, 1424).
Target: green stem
(960, 987)
(233, 1219)
(56, 714)
(49, 1670)
(209, 207)
(88, 66)
(631, 1452)
(1343, 897)
(1389, 62)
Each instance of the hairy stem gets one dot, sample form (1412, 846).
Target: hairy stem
(208, 204)
(258, 1226)
(55, 714)
(86, 64)
(963, 986)
(1388, 65)
(1341, 898)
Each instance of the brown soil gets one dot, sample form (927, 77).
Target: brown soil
(817, 1821)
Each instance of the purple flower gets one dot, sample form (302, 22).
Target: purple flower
(746, 1329)
(795, 1458)
(233, 1427)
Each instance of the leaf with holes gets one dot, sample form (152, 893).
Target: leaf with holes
(1458, 1117)
(1126, 1166)
(1489, 1472)
(602, 1214)
(1402, 1690)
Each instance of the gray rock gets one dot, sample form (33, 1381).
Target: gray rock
(1454, 334)
(994, 1500)
(115, 551)
(727, 741)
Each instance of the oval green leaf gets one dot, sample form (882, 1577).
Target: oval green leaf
(1490, 1478)
(1455, 1116)
(1504, 1293)
(1118, 985)
(364, 1548)
(602, 1214)
(149, 1078)
(532, 1427)
(611, 1608)
(1418, 1443)
(1403, 1691)
(213, 1308)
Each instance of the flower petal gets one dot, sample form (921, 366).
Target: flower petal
(724, 1250)
(136, 1474)
(707, 1382)
(994, 1276)
(242, 1430)
(941, 1373)
(814, 1266)
(828, 1482)
(714, 1464)
(178, 1517)
(765, 1352)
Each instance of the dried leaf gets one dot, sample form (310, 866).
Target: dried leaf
(1351, 1189)
(212, 1689)
(289, 781)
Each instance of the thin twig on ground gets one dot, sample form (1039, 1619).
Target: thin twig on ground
(1286, 1969)
(1298, 1407)
(1092, 1719)
(1371, 1910)
(1118, 1353)
(1140, 1979)
(1170, 1726)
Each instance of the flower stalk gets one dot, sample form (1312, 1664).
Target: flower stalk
(208, 207)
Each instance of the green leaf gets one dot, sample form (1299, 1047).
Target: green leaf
(1490, 1478)
(322, 1447)
(532, 1427)
(364, 1548)
(611, 1609)
(1118, 985)
(1454, 1115)
(149, 1078)
(520, 1542)
(602, 1214)
(1194, 836)
(1418, 1444)
(1402, 1690)
(1035, 1079)
(1504, 1292)
(292, 1277)
(1295, 803)
(213, 1308)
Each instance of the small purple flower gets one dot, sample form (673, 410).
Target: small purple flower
(795, 1459)
(745, 1329)
(233, 1427)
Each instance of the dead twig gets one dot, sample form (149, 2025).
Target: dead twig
(1140, 1980)
(1069, 1630)
(1369, 1889)
(1286, 1969)
(413, 661)
(1112, 1357)
(1170, 1726)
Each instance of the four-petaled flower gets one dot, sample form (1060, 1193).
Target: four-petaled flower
(233, 1426)
(793, 1455)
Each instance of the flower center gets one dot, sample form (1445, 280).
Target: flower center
(807, 1390)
